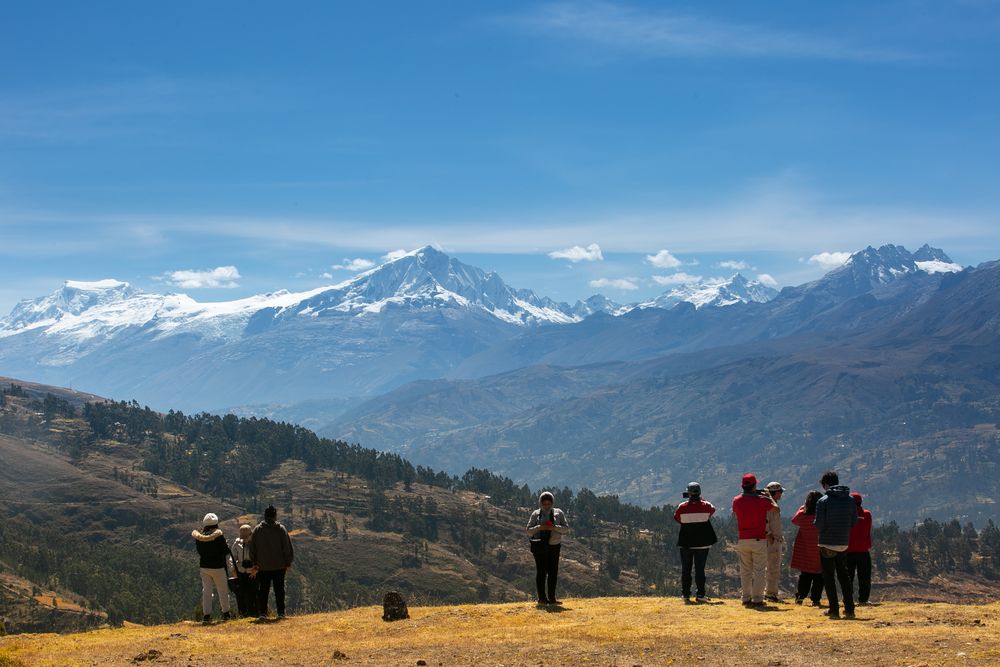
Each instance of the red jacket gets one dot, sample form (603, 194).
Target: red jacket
(861, 534)
(805, 550)
(751, 515)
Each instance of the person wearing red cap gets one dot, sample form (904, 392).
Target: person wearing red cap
(859, 557)
(751, 509)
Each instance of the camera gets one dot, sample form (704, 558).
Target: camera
(685, 495)
(247, 563)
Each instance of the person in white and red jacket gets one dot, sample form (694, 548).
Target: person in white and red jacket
(695, 538)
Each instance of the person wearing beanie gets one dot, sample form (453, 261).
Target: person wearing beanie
(805, 552)
(859, 557)
(546, 527)
(751, 509)
(775, 544)
(836, 515)
(246, 591)
(271, 554)
(213, 552)
(695, 538)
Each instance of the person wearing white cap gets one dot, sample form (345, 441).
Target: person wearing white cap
(213, 551)
(246, 592)
(775, 544)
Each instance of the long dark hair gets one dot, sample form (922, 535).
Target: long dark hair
(811, 499)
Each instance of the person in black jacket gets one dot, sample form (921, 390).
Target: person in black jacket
(695, 538)
(271, 554)
(836, 514)
(213, 551)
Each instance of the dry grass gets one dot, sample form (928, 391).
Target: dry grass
(603, 631)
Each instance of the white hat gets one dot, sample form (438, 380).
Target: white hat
(210, 520)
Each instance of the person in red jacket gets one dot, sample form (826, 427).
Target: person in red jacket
(751, 509)
(859, 557)
(805, 552)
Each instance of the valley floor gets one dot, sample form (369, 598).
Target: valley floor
(600, 631)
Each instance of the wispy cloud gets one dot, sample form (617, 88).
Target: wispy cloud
(734, 264)
(591, 253)
(663, 33)
(627, 284)
(829, 260)
(219, 277)
(355, 265)
(767, 279)
(664, 259)
(679, 278)
(394, 254)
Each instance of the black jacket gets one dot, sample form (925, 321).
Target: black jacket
(213, 549)
(270, 546)
(836, 514)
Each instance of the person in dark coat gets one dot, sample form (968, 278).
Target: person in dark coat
(271, 554)
(859, 556)
(695, 538)
(213, 553)
(546, 527)
(805, 552)
(836, 514)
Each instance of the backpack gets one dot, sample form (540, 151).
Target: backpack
(394, 607)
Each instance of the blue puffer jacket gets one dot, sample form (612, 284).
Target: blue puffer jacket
(836, 514)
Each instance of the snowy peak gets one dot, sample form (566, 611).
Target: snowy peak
(714, 292)
(871, 267)
(73, 298)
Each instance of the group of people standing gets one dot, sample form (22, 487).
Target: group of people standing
(257, 560)
(832, 546)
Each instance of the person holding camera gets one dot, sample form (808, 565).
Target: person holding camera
(695, 538)
(271, 554)
(213, 551)
(775, 543)
(546, 526)
(836, 514)
(752, 508)
(246, 591)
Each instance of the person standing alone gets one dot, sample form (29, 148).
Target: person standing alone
(751, 509)
(836, 514)
(859, 557)
(271, 554)
(546, 526)
(695, 538)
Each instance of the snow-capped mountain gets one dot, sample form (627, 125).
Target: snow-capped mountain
(714, 292)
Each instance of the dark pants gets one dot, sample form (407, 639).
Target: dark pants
(810, 586)
(693, 558)
(547, 571)
(246, 595)
(859, 566)
(264, 579)
(835, 564)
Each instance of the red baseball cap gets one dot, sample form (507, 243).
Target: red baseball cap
(749, 479)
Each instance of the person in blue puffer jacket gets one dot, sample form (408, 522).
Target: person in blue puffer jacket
(836, 514)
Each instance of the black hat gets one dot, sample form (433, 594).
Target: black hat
(694, 489)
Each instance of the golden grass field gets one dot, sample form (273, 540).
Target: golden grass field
(600, 631)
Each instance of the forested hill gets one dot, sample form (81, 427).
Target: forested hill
(103, 495)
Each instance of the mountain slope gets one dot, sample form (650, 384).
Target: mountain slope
(714, 292)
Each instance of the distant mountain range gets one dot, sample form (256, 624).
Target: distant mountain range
(417, 316)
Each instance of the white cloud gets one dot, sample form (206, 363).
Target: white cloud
(615, 283)
(664, 260)
(222, 276)
(358, 264)
(327, 275)
(661, 33)
(679, 278)
(591, 253)
(767, 279)
(394, 254)
(734, 264)
(830, 260)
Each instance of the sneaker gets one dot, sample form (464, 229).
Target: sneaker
(815, 603)
(226, 616)
(281, 617)
(686, 598)
(772, 598)
(207, 620)
(849, 615)
(554, 602)
(747, 603)
(760, 604)
(701, 599)
(833, 614)
(798, 600)
(542, 602)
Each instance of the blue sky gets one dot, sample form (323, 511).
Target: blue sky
(138, 139)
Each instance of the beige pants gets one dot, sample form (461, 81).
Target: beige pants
(753, 568)
(214, 578)
(774, 553)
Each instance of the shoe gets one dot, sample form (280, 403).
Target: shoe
(760, 604)
(542, 602)
(815, 603)
(262, 617)
(281, 617)
(832, 614)
(207, 620)
(772, 598)
(849, 615)
(554, 603)
(747, 603)
(864, 604)
(226, 616)
(798, 600)
(701, 599)
(686, 598)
